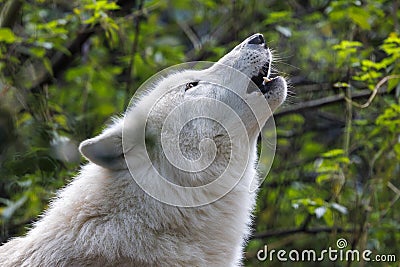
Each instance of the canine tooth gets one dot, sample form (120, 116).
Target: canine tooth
(266, 79)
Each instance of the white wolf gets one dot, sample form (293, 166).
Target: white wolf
(106, 218)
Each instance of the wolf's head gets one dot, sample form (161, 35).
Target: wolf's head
(254, 59)
(192, 125)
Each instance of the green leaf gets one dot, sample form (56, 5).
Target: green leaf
(278, 17)
(341, 85)
(323, 178)
(344, 160)
(330, 168)
(333, 153)
(328, 217)
(370, 64)
(38, 51)
(345, 45)
(397, 150)
(360, 17)
(7, 36)
(47, 65)
(393, 83)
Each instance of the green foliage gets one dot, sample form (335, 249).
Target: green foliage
(336, 166)
(96, 13)
(7, 36)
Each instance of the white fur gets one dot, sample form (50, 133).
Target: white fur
(103, 218)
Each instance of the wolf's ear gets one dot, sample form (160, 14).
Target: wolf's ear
(105, 150)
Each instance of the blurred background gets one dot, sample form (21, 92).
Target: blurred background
(66, 67)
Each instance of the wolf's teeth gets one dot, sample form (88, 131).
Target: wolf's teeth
(266, 79)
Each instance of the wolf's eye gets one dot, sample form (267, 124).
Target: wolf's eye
(190, 85)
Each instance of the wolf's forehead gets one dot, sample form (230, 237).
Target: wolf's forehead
(215, 72)
(180, 78)
(218, 74)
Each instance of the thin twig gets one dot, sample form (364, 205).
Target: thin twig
(190, 34)
(394, 200)
(374, 92)
(323, 102)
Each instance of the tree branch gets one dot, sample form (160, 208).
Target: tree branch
(9, 13)
(325, 101)
(374, 92)
(285, 232)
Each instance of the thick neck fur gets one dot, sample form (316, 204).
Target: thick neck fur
(86, 236)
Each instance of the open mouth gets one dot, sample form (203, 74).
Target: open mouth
(263, 80)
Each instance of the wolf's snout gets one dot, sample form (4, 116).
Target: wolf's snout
(257, 39)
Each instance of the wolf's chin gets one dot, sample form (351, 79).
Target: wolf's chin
(272, 84)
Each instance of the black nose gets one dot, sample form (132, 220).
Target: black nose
(257, 39)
